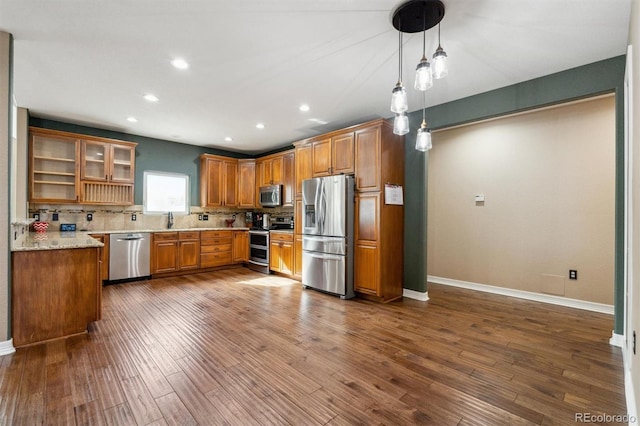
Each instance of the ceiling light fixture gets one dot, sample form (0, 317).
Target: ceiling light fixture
(151, 97)
(304, 108)
(180, 64)
(411, 17)
(132, 119)
(260, 126)
(228, 139)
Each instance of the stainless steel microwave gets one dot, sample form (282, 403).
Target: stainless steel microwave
(270, 196)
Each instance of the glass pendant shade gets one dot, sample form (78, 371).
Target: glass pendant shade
(424, 79)
(423, 141)
(399, 102)
(401, 124)
(440, 69)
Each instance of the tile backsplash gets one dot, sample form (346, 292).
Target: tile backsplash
(115, 218)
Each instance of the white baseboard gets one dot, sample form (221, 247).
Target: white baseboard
(528, 295)
(617, 340)
(6, 347)
(417, 295)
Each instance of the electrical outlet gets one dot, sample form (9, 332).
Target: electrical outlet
(634, 342)
(54, 217)
(134, 217)
(36, 216)
(205, 217)
(199, 217)
(573, 274)
(89, 217)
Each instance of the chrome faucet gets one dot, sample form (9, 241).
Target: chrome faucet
(170, 221)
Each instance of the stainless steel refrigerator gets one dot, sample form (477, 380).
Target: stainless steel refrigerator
(327, 241)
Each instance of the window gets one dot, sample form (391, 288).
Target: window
(165, 192)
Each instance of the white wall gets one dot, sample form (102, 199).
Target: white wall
(548, 177)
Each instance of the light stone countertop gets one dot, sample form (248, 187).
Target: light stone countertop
(137, 231)
(54, 240)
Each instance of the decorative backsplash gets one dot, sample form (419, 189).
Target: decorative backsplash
(19, 227)
(114, 218)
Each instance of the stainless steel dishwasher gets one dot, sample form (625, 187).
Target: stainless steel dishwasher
(129, 256)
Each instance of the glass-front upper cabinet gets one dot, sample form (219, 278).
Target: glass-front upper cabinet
(107, 162)
(53, 168)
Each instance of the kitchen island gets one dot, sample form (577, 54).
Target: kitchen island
(56, 286)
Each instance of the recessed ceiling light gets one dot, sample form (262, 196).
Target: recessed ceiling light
(317, 120)
(151, 97)
(132, 119)
(259, 126)
(180, 63)
(304, 108)
(228, 139)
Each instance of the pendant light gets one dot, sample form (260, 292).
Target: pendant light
(423, 139)
(398, 94)
(401, 124)
(424, 79)
(440, 60)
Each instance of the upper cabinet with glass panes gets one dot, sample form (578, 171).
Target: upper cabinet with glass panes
(108, 162)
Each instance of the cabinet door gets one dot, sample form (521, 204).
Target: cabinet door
(368, 159)
(366, 278)
(367, 217)
(303, 166)
(54, 168)
(277, 170)
(246, 184)
(230, 184)
(240, 246)
(288, 179)
(286, 257)
(321, 157)
(297, 256)
(95, 161)
(122, 163)
(274, 256)
(266, 177)
(342, 154)
(165, 256)
(189, 255)
(212, 195)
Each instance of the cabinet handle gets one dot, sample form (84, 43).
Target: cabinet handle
(111, 177)
(106, 177)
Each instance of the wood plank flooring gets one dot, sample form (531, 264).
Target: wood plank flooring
(236, 347)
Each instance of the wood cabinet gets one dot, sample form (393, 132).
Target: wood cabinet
(218, 181)
(303, 166)
(53, 167)
(278, 169)
(104, 255)
(379, 227)
(175, 251)
(246, 183)
(281, 252)
(55, 293)
(216, 248)
(240, 246)
(72, 168)
(297, 256)
(332, 155)
(108, 162)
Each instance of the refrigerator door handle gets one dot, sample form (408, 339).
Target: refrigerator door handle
(324, 256)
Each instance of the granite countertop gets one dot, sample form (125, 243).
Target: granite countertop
(54, 240)
(137, 231)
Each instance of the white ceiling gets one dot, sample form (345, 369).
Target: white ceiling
(91, 61)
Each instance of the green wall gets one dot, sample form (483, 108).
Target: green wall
(151, 154)
(601, 77)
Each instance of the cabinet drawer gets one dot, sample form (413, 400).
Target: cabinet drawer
(215, 234)
(215, 249)
(214, 241)
(165, 236)
(208, 260)
(277, 236)
(189, 235)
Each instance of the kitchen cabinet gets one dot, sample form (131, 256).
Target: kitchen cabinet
(303, 167)
(246, 183)
(240, 246)
(333, 155)
(281, 252)
(108, 162)
(218, 181)
(54, 293)
(53, 167)
(278, 169)
(216, 248)
(379, 227)
(297, 239)
(175, 251)
(104, 255)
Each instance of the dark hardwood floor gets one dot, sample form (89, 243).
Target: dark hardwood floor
(237, 347)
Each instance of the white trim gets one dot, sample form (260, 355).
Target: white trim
(617, 340)
(520, 294)
(417, 295)
(632, 410)
(6, 347)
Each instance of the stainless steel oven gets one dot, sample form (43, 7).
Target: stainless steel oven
(259, 250)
